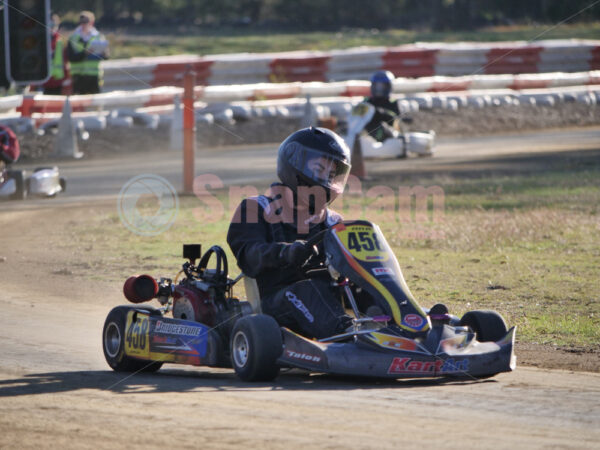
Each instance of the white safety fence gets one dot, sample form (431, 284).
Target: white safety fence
(413, 61)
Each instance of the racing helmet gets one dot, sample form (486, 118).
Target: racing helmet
(381, 84)
(9, 145)
(314, 157)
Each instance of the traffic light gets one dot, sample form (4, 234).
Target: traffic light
(27, 40)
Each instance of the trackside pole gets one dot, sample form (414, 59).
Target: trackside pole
(65, 143)
(358, 164)
(189, 130)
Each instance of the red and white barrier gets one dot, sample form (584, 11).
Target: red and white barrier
(410, 61)
(162, 96)
(323, 107)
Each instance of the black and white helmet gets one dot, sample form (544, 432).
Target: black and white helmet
(314, 157)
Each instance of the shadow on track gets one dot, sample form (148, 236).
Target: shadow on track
(174, 380)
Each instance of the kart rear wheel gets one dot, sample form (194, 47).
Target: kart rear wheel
(488, 326)
(256, 343)
(113, 343)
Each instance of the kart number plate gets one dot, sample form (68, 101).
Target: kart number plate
(363, 243)
(137, 334)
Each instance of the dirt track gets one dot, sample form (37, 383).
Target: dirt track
(56, 390)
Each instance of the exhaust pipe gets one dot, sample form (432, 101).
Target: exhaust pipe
(141, 288)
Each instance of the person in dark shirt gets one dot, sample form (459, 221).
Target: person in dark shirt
(268, 233)
(386, 111)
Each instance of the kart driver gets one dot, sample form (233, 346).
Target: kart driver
(381, 125)
(268, 233)
(9, 147)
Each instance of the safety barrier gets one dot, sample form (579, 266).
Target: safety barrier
(163, 96)
(415, 60)
(322, 107)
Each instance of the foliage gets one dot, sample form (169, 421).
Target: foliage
(145, 41)
(335, 14)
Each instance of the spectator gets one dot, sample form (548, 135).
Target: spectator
(87, 47)
(59, 73)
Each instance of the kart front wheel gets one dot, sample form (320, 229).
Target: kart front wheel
(256, 344)
(488, 326)
(113, 344)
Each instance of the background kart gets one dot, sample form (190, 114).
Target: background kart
(403, 142)
(43, 182)
(396, 339)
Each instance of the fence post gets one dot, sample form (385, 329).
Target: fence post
(189, 130)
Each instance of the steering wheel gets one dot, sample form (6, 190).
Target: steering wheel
(311, 263)
(317, 238)
(221, 271)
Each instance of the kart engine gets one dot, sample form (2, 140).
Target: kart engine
(204, 295)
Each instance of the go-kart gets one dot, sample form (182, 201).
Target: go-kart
(402, 142)
(43, 182)
(391, 336)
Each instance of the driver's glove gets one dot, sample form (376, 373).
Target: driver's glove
(295, 254)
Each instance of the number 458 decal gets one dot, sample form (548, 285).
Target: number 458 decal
(136, 334)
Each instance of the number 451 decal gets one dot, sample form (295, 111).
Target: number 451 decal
(364, 245)
(363, 240)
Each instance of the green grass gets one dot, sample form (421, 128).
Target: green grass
(525, 244)
(155, 42)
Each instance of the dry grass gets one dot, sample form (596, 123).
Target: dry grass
(525, 244)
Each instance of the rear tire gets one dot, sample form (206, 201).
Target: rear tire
(256, 343)
(488, 326)
(113, 342)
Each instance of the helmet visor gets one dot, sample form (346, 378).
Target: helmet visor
(320, 168)
(381, 89)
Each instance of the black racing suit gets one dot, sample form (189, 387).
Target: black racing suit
(311, 307)
(380, 126)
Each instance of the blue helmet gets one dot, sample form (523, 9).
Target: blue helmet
(381, 84)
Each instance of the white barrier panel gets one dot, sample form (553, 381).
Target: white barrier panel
(357, 63)
(10, 103)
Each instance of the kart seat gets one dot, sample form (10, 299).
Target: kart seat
(252, 294)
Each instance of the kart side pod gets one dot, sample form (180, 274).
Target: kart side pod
(141, 288)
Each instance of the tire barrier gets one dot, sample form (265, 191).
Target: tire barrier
(411, 61)
(296, 112)
(163, 97)
(324, 107)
